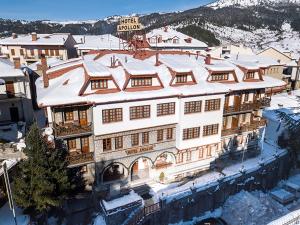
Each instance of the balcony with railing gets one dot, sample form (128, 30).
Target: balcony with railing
(78, 158)
(248, 106)
(254, 125)
(72, 129)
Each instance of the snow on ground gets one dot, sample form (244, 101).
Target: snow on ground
(251, 209)
(6, 216)
(99, 220)
(258, 39)
(291, 216)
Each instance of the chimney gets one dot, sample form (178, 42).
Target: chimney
(17, 63)
(208, 59)
(34, 36)
(197, 56)
(165, 29)
(156, 59)
(44, 70)
(14, 35)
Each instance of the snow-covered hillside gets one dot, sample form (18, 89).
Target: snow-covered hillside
(246, 3)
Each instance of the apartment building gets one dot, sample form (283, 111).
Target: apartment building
(167, 38)
(29, 47)
(15, 97)
(130, 118)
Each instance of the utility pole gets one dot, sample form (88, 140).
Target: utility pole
(9, 194)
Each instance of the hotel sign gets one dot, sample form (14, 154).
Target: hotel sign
(139, 149)
(129, 24)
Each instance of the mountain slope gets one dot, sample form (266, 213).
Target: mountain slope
(247, 3)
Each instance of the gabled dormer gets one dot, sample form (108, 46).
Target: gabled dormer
(98, 79)
(182, 78)
(221, 76)
(251, 74)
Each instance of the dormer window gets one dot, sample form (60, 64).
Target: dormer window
(188, 40)
(181, 79)
(250, 75)
(99, 84)
(141, 82)
(175, 41)
(220, 77)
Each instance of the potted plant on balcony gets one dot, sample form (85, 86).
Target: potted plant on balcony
(162, 177)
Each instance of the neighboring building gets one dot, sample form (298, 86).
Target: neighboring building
(291, 70)
(166, 38)
(15, 97)
(86, 43)
(130, 118)
(230, 49)
(29, 47)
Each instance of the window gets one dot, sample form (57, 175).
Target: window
(160, 135)
(32, 52)
(175, 41)
(250, 75)
(40, 52)
(208, 151)
(56, 52)
(166, 109)
(106, 144)
(71, 143)
(46, 52)
(21, 52)
(246, 99)
(188, 155)
(192, 107)
(244, 117)
(52, 52)
(134, 139)
(200, 153)
(179, 157)
(169, 133)
(191, 133)
(12, 52)
(112, 115)
(99, 84)
(210, 129)
(181, 78)
(69, 116)
(141, 82)
(139, 112)
(119, 142)
(219, 77)
(213, 104)
(145, 137)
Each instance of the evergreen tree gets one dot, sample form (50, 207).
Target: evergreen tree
(42, 182)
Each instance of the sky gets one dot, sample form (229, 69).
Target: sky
(63, 10)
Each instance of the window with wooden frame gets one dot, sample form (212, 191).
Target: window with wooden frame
(141, 82)
(250, 75)
(99, 84)
(51, 52)
(220, 77)
(179, 157)
(106, 144)
(212, 104)
(32, 52)
(169, 133)
(12, 51)
(188, 155)
(21, 51)
(160, 135)
(112, 115)
(56, 52)
(246, 98)
(244, 117)
(180, 79)
(192, 107)
(201, 153)
(166, 109)
(208, 151)
(145, 137)
(210, 129)
(71, 143)
(69, 115)
(191, 133)
(118, 142)
(85, 144)
(46, 52)
(134, 139)
(139, 112)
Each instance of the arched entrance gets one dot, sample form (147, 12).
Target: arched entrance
(114, 172)
(141, 169)
(164, 161)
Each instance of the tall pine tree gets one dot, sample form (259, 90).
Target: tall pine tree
(42, 182)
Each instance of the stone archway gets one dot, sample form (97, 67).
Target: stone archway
(140, 169)
(114, 172)
(164, 160)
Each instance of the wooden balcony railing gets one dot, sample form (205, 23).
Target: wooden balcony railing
(162, 165)
(80, 158)
(244, 128)
(68, 129)
(249, 106)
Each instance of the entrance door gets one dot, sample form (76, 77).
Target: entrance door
(235, 122)
(10, 90)
(85, 147)
(14, 114)
(237, 102)
(82, 117)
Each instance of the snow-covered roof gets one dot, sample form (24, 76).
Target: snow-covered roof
(50, 61)
(98, 42)
(259, 60)
(7, 69)
(42, 39)
(167, 34)
(65, 88)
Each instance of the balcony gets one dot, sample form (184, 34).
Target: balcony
(80, 158)
(72, 129)
(249, 106)
(254, 125)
